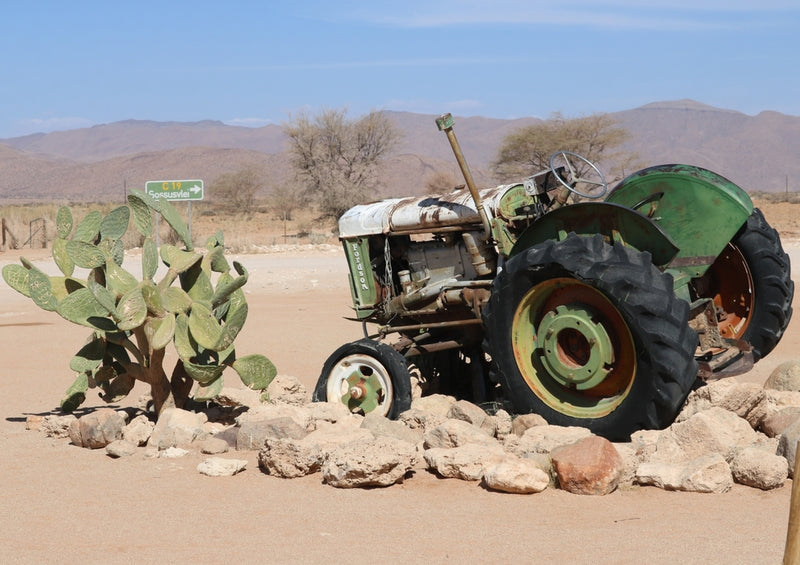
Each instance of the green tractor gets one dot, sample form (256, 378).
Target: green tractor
(601, 314)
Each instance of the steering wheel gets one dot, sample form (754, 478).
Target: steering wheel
(570, 158)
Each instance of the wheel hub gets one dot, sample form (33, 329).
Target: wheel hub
(575, 350)
(364, 392)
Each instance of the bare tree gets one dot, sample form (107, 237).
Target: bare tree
(238, 190)
(336, 159)
(597, 137)
(285, 199)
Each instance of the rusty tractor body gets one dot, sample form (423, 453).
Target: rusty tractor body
(601, 313)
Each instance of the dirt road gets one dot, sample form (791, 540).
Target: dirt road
(63, 504)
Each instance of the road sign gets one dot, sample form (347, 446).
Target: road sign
(175, 189)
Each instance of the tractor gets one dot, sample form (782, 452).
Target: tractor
(603, 313)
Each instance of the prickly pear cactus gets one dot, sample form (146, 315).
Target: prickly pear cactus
(198, 305)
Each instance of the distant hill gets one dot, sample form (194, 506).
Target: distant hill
(102, 162)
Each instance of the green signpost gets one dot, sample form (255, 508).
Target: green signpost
(186, 190)
(175, 189)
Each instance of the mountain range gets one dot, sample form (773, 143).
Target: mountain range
(101, 163)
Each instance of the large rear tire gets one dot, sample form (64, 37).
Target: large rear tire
(751, 283)
(589, 334)
(366, 376)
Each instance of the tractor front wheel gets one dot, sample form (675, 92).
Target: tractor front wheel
(366, 376)
(590, 334)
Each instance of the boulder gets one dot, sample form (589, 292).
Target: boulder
(524, 421)
(300, 414)
(715, 430)
(120, 448)
(253, 432)
(757, 468)
(544, 439)
(785, 376)
(287, 390)
(138, 430)
(466, 462)
(468, 412)
(729, 394)
(97, 429)
(214, 446)
(54, 425)
(176, 427)
(589, 466)
(454, 433)
(775, 424)
(438, 404)
(381, 426)
(379, 462)
(516, 476)
(221, 467)
(708, 473)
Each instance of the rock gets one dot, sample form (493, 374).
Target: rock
(707, 473)
(417, 419)
(466, 462)
(757, 468)
(771, 401)
(454, 433)
(774, 424)
(138, 430)
(502, 423)
(544, 439)
(220, 467)
(786, 376)
(630, 461)
(516, 476)
(381, 426)
(331, 412)
(214, 446)
(238, 397)
(300, 414)
(253, 432)
(120, 448)
(33, 422)
(289, 459)
(173, 453)
(589, 466)
(287, 390)
(736, 397)
(525, 421)
(787, 445)
(438, 404)
(715, 430)
(56, 426)
(467, 412)
(176, 427)
(380, 462)
(97, 429)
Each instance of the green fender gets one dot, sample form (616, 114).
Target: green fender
(699, 209)
(615, 222)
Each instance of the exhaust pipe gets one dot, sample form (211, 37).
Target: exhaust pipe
(445, 123)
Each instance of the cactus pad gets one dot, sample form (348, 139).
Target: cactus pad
(115, 224)
(63, 222)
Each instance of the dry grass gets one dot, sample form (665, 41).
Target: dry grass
(244, 233)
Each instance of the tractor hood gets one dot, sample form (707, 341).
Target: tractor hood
(405, 215)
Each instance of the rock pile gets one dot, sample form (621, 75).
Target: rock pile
(728, 432)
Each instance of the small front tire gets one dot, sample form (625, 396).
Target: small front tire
(366, 376)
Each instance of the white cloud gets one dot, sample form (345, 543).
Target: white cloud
(637, 14)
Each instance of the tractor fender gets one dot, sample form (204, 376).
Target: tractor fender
(613, 221)
(699, 209)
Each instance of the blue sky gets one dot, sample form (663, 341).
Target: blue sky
(76, 64)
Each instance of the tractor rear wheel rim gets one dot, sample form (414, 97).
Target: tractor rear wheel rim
(732, 291)
(573, 348)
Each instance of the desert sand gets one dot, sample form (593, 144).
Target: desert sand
(64, 504)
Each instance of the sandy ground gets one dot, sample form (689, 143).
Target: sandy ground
(63, 504)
